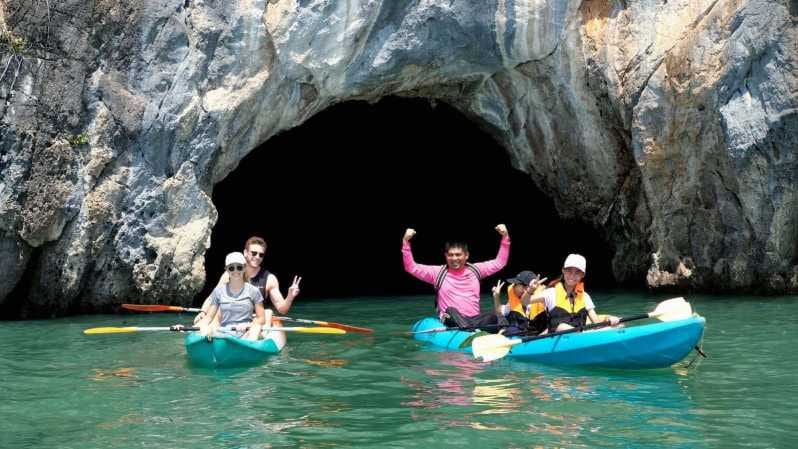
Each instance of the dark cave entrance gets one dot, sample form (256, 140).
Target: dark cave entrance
(333, 197)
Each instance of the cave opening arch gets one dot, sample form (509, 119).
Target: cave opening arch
(333, 196)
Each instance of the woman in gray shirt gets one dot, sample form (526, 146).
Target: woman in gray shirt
(236, 300)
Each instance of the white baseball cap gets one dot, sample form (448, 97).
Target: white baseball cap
(234, 258)
(575, 261)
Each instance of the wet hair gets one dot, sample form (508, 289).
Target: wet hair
(255, 240)
(455, 245)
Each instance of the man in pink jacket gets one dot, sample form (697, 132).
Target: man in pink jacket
(457, 283)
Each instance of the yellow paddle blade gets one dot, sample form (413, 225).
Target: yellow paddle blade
(318, 330)
(492, 347)
(672, 310)
(110, 330)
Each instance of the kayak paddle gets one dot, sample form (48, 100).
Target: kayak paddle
(158, 308)
(344, 327)
(304, 330)
(120, 330)
(454, 328)
(496, 346)
(165, 308)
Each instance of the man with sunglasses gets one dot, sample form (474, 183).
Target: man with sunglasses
(267, 283)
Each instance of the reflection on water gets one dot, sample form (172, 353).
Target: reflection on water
(499, 396)
(332, 363)
(573, 407)
(105, 374)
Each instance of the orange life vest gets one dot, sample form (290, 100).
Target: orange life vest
(515, 304)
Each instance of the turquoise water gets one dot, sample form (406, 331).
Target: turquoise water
(63, 389)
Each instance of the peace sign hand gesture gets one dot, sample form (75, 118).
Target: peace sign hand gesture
(497, 290)
(293, 290)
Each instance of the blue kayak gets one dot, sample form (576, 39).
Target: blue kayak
(655, 345)
(226, 351)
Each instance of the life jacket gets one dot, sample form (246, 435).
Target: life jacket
(566, 311)
(442, 275)
(515, 304)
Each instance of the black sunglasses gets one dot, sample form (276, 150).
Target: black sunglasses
(235, 267)
(255, 253)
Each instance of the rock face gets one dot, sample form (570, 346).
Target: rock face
(671, 126)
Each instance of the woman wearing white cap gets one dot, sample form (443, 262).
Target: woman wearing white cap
(237, 300)
(567, 302)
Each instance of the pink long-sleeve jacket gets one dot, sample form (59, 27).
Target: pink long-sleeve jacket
(460, 288)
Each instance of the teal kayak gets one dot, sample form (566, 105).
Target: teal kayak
(655, 345)
(226, 351)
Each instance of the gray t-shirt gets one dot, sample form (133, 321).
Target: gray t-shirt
(236, 309)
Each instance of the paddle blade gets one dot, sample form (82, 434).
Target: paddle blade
(491, 347)
(146, 307)
(110, 330)
(345, 327)
(348, 328)
(157, 308)
(317, 330)
(468, 341)
(672, 310)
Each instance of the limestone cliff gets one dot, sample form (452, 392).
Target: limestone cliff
(671, 126)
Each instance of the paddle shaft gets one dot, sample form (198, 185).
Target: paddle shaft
(165, 308)
(158, 308)
(130, 329)
(444, 329)
(642, 316)
(345, 327)
(119, 330)
(307, 330)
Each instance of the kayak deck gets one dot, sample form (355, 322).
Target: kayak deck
(655, 345)
(230, 351)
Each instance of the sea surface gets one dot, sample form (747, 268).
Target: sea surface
(63, 389)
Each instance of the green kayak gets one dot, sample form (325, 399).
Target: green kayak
(226, 351)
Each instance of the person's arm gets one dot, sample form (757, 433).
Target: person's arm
(595, 318)
(497, 302)
(205, 324)
(534, 293)
(255, 326)
(282, 304)
(260, 314)
(426, 273)
(267, 317)
(223, 279)
(203, 311)
(492, 266)
(591, 312)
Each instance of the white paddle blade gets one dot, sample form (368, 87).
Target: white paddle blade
(494, 354)
(672, 310)
(491, 347)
